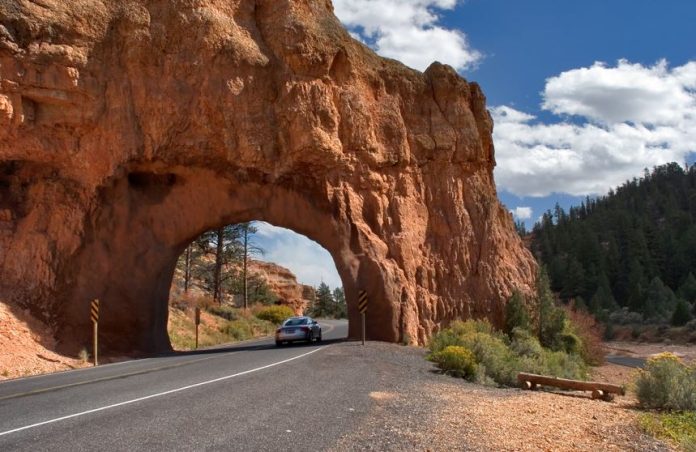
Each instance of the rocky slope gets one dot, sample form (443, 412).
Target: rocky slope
(128, 128)
(28, 346)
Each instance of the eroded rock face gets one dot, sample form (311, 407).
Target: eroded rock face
(128, 128)
(283, 283)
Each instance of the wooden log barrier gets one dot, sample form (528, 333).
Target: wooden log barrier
(599, 390)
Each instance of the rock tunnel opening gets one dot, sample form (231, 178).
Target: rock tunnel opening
(147, 217)
(245, 278)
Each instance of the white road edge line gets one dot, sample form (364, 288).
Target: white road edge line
(159, 394)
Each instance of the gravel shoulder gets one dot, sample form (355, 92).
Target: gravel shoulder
(416, 408)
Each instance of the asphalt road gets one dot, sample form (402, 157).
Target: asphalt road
(626, 361)
(253, 396)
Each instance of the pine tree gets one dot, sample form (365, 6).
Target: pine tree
(341, 308)
(222, 247)
(682, 313)
(187, 264)
(246, 230)
(516, 314)
(687, 290)
(323, 302)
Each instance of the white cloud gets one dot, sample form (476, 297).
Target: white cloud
(308, 260)
(522, 213)
(627, 92)
(632, 117)
(408, 30)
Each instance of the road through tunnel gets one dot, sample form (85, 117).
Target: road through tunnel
(146, 219)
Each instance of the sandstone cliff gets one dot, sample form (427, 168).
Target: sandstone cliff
(283, 283)
(128, 128)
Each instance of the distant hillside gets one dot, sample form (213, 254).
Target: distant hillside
(267, 283)
(633, 250)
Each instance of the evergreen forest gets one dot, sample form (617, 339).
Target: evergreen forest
(629, 256)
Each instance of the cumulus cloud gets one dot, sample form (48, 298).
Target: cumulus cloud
(627, 92)
(408, 31)
(628, 117)
(308, 260)
(522, 213)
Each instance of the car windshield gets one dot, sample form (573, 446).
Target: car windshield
(295, 322)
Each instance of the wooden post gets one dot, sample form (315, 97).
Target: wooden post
(198, 322)
(363, 327)
(96, 343)
(362, 308)
(94, 315)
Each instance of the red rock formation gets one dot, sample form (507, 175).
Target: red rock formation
(128, 128)
(282, 282)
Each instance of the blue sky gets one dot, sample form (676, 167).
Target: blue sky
(584, 94)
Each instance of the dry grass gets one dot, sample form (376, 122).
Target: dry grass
(213, 330)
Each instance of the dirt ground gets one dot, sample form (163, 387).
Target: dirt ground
(26, 347)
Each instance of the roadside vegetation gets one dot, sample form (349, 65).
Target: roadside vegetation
(555, 341)
(667, 387)
(220, 324)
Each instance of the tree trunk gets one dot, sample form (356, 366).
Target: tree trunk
(217, 279)
(244, 271)
(187, 269)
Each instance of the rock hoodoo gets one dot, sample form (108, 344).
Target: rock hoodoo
(128, 128)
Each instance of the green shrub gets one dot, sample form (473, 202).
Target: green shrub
(444, 339)
(226, 312)
(667, 383)
(238, 329)
(275, 314)
(499, 359)
(471, 326)
(516, 314)
(524, 344)
(456, 360)
(498, 362)
(570, 343)
(553, 324)
(563, 365)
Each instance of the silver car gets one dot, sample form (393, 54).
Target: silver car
(298, 329)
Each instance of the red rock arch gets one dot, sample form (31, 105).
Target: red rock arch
(145, 220)
(127, 128)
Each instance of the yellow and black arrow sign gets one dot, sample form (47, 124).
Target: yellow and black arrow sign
(94, 311)
(362, 301)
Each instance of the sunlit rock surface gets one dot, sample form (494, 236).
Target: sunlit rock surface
(128, 128)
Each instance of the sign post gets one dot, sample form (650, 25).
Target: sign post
(94, 314)
(362, 307)
(198, 322)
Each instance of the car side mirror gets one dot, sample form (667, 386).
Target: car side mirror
(314, 322)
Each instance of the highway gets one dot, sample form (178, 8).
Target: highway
(252, 396)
